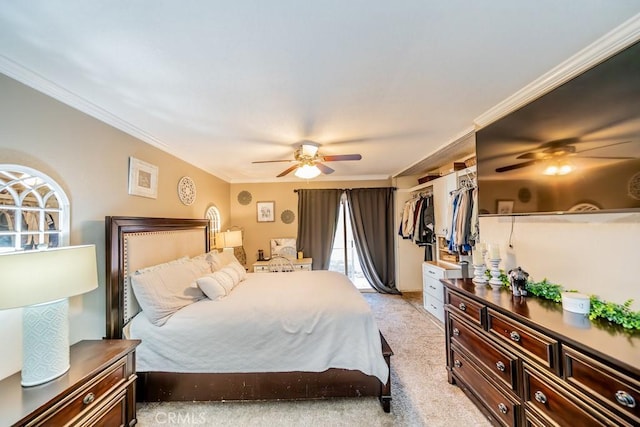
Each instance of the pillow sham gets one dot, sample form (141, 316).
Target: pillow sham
(181, 260)
(163, 291)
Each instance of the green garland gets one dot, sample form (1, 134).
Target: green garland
(620, 314)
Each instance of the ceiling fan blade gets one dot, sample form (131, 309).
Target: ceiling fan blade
(517, 166)
(603, 146)
(607, 157)
(533, 156)
(287, 171)
(273, 161)
(324, 168)
(340, 157)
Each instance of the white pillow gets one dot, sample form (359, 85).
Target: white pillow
(211, 287)
(226, 280)
(231, 272)
(214, 259)
(163, 291)
(164, 264)
(242, 272)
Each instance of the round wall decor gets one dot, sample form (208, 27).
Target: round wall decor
(244, 197)
(524, 194)
(287, 216)
(187, 190)
(634, 186)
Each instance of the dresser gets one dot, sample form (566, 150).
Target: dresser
(98, 390)
(303, 264)
(526, 362)
(433, 289)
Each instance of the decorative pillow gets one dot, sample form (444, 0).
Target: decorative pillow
(211, 287)
(163, 291)
(215, 260)
(225, 280)
(242, 272)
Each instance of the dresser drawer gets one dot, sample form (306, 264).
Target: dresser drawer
(616, 390)
(431, 271)
(500, 364)
(86, 397)
(434, 306)
(501, 404)
(466, 307)
(433, 287)
(560, 407)
(542, 348)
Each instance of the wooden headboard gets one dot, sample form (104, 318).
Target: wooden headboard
(136, 242)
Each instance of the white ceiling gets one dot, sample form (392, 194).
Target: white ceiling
(223, 83)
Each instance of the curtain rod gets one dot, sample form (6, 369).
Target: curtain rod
(344, 189)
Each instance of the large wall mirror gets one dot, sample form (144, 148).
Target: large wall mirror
(34, 210)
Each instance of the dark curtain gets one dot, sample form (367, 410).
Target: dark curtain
(317, 221)
(371, 214)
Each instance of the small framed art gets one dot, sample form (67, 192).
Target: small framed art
(143, 178)
(266, 211)
(505, 207)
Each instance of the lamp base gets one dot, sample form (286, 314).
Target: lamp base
(45, 342)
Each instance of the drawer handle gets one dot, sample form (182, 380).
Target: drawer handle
(625, 399)
(540, 397)
(432, 287)
(456, 332)
(514, 336)
(462, 306)
(431, 272)
(501, 366)
(503, 408)
(89, 398)
(457, 363)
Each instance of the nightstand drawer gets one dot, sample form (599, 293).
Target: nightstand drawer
(495, 361)
(541, 347)
(86, 397)
(260, 268)
(613, 388)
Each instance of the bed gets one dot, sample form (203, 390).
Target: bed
(278, 368)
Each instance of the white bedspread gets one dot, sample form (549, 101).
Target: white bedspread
(271, 322)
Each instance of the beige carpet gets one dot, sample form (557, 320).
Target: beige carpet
(421, 394)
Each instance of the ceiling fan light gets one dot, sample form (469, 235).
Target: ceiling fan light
(551, 170)
(565, 169)
(307, 172)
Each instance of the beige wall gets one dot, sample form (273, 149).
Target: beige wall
(257, 235)
(89, 159)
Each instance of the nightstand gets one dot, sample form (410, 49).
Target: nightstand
(303, 264)
(98, 389)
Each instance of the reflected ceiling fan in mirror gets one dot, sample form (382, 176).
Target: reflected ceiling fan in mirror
(309, 162)
(558, 151)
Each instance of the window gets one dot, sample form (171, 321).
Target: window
(344, 256)
(33, 210)
(213, 215)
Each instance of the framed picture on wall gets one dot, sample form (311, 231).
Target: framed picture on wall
(266, 211)
(143, 178)
(505, 207)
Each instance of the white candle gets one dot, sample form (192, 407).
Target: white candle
(494, 251)
(476, 256)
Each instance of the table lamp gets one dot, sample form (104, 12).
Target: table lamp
(227, 240)
(41, 281)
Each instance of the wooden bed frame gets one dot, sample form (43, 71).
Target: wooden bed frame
(190, 237)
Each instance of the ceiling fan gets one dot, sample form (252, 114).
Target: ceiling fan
(309, 161)
(559, 150)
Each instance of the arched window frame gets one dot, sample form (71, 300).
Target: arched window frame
(215, 220)
(21, 183)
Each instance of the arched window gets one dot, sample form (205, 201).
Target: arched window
(34, 211)
(213, 215)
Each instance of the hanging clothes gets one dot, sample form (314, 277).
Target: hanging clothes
(462, 217)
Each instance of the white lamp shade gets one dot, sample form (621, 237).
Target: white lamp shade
(307, 171)
(34, 277)
(229, 239)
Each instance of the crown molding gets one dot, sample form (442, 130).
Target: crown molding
(611, 43)
(35, 81)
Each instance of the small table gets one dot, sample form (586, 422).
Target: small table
(303, 264)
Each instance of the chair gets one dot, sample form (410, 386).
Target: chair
(279, 264)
